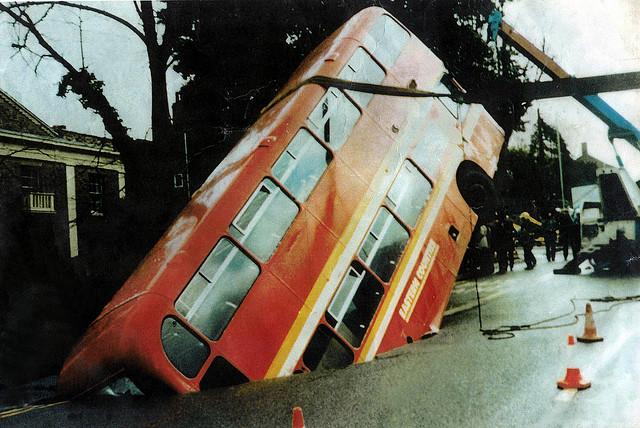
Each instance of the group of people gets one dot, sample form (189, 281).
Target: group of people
(566, 229)
(499, 239)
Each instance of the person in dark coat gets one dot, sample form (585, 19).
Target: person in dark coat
(575, 237)
(500, 243)
(564, 227)
(549, 228)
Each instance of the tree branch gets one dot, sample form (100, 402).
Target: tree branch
(24, 20)
(138, 10)
(104, 13)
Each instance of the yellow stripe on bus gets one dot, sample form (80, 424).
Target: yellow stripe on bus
(330, 275)
(378, 330)
(316, 291)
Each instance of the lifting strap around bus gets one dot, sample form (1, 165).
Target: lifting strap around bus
(370, 88)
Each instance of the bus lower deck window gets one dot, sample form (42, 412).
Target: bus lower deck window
(325, 351)
(184, 349)
(383, 245)
(354, 304)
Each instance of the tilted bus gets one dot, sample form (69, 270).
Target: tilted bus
(331, 233)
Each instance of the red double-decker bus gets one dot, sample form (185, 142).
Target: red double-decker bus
(332, 232)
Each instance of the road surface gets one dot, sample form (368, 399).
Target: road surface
(458, 378)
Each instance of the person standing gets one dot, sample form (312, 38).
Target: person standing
(526, 237)
(575, 237)
(564, 225)
(500, 243)
(549, 228)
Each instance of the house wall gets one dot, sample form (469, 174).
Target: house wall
(92, 226)
(43, 236)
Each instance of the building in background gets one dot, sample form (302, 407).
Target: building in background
(57, 187)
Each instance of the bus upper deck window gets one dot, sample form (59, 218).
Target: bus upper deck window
(384, 244)
(386, 39)
(333, 118)
(409, 193)
(362, 68)
(217, 289)
(300, 166)
(264, 219)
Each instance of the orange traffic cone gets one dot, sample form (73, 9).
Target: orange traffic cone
(573, 377)
(590, 334)
(297, 420)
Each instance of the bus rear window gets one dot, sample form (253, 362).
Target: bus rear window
(333, 118)
(264, 219)
(354, 304)
(384, 244)
(409, 193)
(362, 68)
(386, 40)
(300, 166)
(217, 289)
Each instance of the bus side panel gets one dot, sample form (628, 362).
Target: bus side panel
(367, 149)
(484, 139)
(427, 313)
(417, 62)
(302, 255)
(390, 113)
(452, 232)
(439, 292)
(336, 196)
(258, 328)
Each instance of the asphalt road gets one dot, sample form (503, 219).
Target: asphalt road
(458, 378)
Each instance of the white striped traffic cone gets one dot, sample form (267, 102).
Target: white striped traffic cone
(590, 334)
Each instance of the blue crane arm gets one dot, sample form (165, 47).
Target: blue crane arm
(619, 127)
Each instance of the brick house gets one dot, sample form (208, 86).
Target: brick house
(57, 187)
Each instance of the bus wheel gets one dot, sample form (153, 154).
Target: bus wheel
(477, 189)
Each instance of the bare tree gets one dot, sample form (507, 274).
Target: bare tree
(147, 181)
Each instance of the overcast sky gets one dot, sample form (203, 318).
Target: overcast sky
(586, 37)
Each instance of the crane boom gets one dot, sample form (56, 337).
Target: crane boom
(619, 127)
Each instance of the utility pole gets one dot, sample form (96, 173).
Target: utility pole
(560, 166)
(186, 166)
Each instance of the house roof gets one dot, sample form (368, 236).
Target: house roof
(16, 118)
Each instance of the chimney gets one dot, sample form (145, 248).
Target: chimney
(584, 151)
